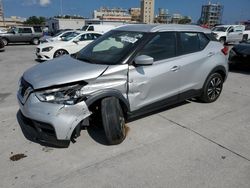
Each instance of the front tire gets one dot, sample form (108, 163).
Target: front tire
(222, 40)
(5, 41)
(113, 120)
(212, 88)
(60, 52)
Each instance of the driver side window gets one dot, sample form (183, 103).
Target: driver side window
(161, 47)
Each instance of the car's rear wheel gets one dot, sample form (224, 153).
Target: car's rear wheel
(5, 41)
(212, 88)
(35, 41)
(222, 40)
(245, 37)
(113, 120)
(60, 52)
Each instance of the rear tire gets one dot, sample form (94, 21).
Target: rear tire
(245, 37)
(212, 88)
(35, 41)
(113, 120)
(222, 40)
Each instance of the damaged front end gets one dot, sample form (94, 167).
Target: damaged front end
(55, 114)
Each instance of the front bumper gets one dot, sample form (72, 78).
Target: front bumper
(56, 119)
(44, 56)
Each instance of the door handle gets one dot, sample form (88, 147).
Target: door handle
(210, 54)
(175, 68)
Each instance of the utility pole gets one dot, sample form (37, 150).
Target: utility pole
(61, 7)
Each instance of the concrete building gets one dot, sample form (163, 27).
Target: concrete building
(55, 24)
(135, 14)
(163, 17)
(211, 14)
(112, 14)
(176, 18)
(12, 21)
(147, 11)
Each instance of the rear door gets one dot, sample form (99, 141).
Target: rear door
(154, 83)
(235, 33)
(25, 34)
(193, 59)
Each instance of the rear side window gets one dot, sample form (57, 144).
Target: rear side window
(189, 43)
(247, 28)
(211, 37)
(95, 35)
(25, 30)
(203, 40)
(162, 46)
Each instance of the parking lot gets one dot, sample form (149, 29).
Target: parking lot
(189, 145)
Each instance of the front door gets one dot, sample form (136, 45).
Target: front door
(159, 81)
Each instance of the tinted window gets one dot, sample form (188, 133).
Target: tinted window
(203, 40)
(95, 35)
(91, 28)
(162, 46)
(25, 30)
(38, 29)
(86, 37)
(211, 37)
(247, 28)
(189, 43)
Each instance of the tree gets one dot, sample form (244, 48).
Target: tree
(33, 20)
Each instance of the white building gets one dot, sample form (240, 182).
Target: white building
(55, 24)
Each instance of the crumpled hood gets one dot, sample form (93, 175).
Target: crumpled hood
(62, 70)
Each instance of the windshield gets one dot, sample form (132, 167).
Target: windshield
(111, 48)
(70, 37)
(220, 29)
(85, 28)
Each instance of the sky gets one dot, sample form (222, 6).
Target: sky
(234, 10)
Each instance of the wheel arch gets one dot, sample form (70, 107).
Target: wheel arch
(99, 95)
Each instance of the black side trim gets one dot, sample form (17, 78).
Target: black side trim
(107, 93)
(165, 103)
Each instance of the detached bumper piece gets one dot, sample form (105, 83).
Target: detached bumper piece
(41, 132)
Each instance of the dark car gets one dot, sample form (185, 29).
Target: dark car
(22, 34)
(1, 44)
(240, 52)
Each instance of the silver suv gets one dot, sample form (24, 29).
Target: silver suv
(129, 71)
(22, 34)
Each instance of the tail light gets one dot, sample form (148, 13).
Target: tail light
(224, 50)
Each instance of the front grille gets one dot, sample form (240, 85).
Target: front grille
(38, 50)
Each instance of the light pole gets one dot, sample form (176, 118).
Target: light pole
(61, 7)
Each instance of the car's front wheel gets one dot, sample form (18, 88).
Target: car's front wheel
(5, 41)
(60, 52)
(212, 88)
(113, 120)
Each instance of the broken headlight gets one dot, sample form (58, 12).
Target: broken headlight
(68, 95)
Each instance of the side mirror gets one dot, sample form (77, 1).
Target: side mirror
(144, 60)
(76, 41)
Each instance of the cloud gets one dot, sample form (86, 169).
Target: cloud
(43, 3)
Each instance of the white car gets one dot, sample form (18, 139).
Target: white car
(229, 33)
(68, 45)
(56, 37)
